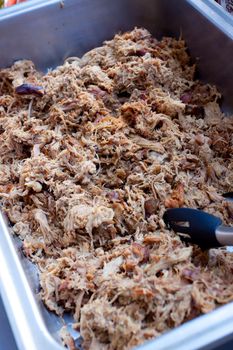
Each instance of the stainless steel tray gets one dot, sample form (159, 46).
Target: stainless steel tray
(47, 32)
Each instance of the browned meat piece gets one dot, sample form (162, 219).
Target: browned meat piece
(176, 199)
(151, 207)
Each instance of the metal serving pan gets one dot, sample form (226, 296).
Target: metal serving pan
(49, 31)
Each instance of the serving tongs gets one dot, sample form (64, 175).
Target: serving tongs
(197, 226)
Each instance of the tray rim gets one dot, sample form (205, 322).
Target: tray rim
(216, 14)
(19, 301)
(28, 327)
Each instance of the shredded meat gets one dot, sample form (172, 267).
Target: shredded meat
(91, 154)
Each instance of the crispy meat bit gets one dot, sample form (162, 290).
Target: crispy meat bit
(151, 207)
(176, 199)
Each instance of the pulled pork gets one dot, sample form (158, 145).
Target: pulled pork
(91, 155)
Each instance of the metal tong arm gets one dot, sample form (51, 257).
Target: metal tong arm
(224, 235)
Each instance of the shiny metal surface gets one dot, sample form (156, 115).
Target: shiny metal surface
(47, 32)
(7, 339)
(224, 235)
(23, 312)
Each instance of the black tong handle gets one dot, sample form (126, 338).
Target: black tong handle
(200, 226)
